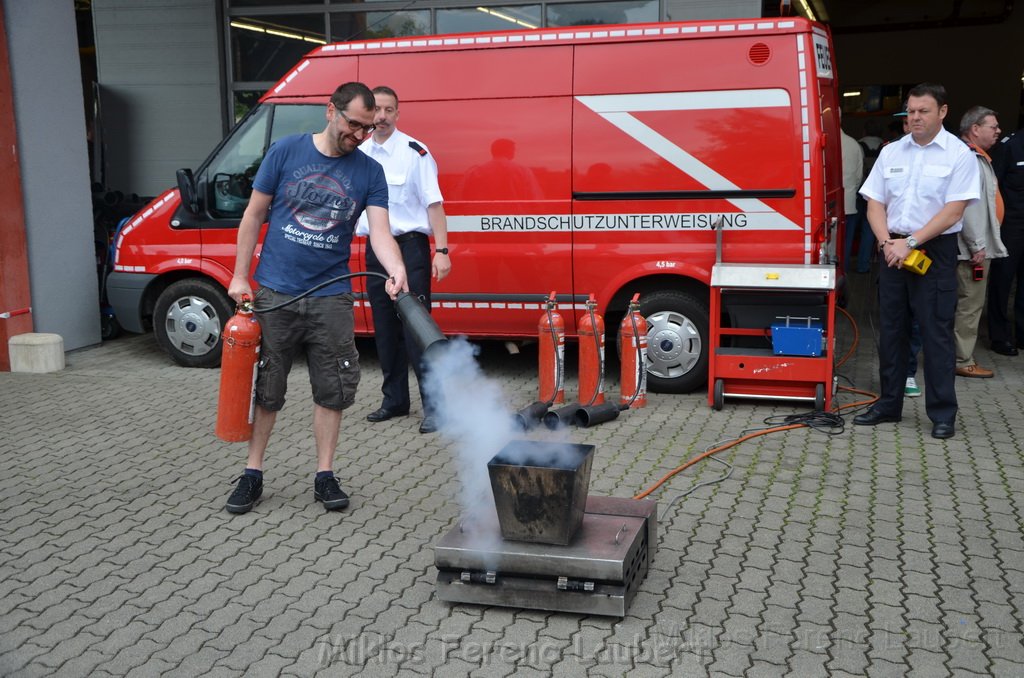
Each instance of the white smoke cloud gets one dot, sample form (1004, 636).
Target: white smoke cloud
(473, 413)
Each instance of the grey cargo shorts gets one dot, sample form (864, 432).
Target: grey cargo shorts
(325, 327)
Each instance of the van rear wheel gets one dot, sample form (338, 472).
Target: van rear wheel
(677, 341)
(188, 320)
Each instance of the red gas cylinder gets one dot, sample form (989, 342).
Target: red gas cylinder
(591, 355)
(238, 366)
(551, 354)
(633, 340)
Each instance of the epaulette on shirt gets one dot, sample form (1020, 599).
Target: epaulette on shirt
(416, 147)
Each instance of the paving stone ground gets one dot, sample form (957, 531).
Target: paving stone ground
(877, 552)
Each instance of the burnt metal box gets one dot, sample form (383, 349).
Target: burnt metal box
(540, 490)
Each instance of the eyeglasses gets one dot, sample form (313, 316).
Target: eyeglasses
(990, 126)
(355, 125)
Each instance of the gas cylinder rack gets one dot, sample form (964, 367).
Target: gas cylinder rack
(747, 361)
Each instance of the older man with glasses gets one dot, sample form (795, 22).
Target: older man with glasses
(978, 242)
(416, 212)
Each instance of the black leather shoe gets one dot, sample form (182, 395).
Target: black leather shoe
(383, 414)
(872, 417)
(943, 429)
(428, 425)
(1004, 348)
(330, 493)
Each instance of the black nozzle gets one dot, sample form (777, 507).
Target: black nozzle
(563, 416)
(592, 415)
(420, 325)
(530, 416)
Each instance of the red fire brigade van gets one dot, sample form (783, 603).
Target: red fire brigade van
(582, 160)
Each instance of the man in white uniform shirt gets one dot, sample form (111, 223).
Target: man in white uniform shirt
(416, 211)
(917, 192)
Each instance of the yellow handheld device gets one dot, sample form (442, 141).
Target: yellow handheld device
(917, 262)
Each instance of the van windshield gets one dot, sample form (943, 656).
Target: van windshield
(229, 174)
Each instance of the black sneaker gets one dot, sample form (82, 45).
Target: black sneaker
(330, 493)
(245, 495)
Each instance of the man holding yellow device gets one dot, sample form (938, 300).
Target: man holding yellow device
(917, 192)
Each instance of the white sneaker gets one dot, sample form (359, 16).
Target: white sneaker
(911, 390)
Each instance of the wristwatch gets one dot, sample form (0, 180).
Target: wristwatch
(911, 242)
(441, 250)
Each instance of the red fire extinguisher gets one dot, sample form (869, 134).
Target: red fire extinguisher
(633, 340)
(591, 355)
(551, 354)
(239, 363)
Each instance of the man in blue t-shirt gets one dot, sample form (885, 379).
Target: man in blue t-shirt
(314, 187)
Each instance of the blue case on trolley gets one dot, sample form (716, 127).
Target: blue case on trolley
(798, 337)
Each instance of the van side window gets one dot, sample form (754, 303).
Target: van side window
(297, 119)
(229, 174)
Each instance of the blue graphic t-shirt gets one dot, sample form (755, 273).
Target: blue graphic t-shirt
(316, 201)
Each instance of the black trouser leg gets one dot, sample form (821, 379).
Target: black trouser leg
(933, 296)
(395, 347)
(1018, 303)
(893, 338)
(1000, 281)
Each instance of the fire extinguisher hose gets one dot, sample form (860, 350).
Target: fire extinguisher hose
(640, 361)
(558, 363)
(639, 356)
(597, 347)
(359, 274)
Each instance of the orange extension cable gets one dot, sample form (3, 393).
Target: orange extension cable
(872, 397)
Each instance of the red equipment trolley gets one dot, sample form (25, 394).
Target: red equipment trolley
(772, 333)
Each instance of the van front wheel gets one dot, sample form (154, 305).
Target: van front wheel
(677, 341)
(188, 319)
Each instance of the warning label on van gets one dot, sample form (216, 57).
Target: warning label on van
(701, 221)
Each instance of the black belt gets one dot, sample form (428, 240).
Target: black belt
(902, 236)
(409, 236)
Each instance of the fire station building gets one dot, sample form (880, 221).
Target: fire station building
(105, 99)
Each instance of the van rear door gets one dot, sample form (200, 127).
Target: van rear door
(831, 150)
(497, 121)
(669, 137)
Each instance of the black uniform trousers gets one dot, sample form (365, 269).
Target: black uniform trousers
(933, 298)
(395, 347)
(1000, 284)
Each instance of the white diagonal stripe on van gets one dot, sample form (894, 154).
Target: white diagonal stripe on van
(618, 108)
(679, 158)
(686, 101)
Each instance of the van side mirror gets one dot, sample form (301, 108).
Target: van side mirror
(187, 188)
